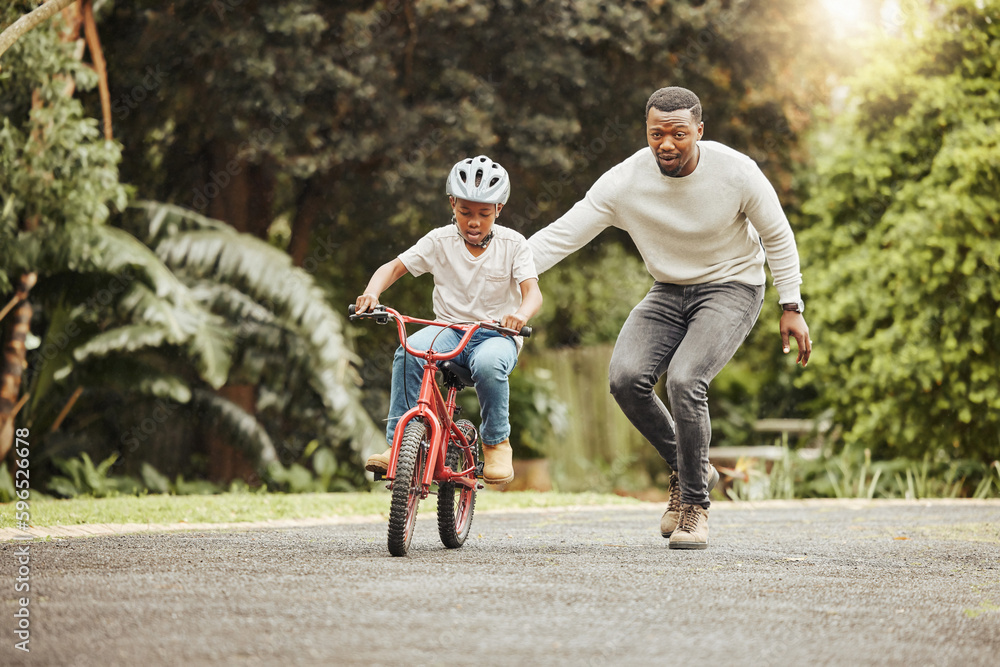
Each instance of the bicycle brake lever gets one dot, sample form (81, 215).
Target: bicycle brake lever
(525, 332)
(378, 313)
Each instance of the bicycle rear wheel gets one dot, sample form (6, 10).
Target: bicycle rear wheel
(456, 503)
(407, 487)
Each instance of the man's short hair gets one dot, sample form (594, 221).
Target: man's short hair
(673, 98)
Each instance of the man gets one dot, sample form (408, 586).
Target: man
(702, 216)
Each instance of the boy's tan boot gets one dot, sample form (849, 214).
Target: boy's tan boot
(498, 466)
(668, 523)
(378, 462)
(692, 528)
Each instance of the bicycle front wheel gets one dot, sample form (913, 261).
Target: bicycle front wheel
(407, 487)
(456, 503)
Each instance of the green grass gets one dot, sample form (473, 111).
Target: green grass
(241, 507)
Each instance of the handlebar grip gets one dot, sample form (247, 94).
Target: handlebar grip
(377, 313)
(526, 332)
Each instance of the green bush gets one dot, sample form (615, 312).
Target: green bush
(83, 478)
(317, 472)
(536, 415)
(903, 252)
(852, 473)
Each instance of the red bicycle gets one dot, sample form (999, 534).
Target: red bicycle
(428, 445)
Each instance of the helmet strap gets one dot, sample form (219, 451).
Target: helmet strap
(485, 242)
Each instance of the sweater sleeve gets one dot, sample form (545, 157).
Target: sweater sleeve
(523, 263)
(578, 226)
(763, 210)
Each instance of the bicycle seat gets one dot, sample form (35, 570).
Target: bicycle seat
(456, 375)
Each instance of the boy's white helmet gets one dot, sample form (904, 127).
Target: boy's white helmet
(494, 183)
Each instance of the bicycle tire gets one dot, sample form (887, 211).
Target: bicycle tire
(456, 503)
(406, 488)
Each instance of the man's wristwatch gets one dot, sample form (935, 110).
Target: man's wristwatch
(796, 307)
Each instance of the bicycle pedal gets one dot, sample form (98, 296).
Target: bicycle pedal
(378, 476)
(479, 469)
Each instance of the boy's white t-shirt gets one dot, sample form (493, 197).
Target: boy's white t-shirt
(467, 288)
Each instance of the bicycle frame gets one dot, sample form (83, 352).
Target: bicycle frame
(436, 411)
(422, 455)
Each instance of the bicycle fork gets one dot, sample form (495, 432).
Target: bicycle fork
(436, 413)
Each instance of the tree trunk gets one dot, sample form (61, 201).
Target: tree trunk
(240, 194)
(310, 203)
(14, 361)
(100, 66)
(226, 464)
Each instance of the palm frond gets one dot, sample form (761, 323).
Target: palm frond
(209, 252)
(121, 340)
(240, 428)
(128, 375)
(96, 249)
(154, 221)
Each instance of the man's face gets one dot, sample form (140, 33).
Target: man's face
(673, 136)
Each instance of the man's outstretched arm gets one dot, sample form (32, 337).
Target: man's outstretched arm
(576, 228)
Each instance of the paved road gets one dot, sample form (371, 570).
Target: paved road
(781, 584)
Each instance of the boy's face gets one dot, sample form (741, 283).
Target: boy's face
(475, 219)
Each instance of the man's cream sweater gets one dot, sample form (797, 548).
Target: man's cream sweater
(713, 225)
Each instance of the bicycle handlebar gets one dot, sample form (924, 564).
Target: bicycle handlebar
(382, 315)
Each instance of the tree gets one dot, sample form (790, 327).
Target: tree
(54, 170)
(121, 327)
(308, 122)
(904, 200)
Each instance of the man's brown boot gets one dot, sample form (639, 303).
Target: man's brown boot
(379, 462)
(668, 523)
(498, 467)
(692, 528)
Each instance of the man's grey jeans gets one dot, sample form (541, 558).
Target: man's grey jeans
(689, 332)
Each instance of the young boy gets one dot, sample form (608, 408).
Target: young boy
(482, 271)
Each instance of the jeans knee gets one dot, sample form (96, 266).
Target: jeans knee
(626, 384)
(491, 376)
(686, 389)
(493, 369)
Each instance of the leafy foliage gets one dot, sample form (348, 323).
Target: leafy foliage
(82, 477)
(853, 473)
(537, 417)
(587, 302)
(905, 208)
(355, 112)
(55, 167)
(121, 326)
(287, 340)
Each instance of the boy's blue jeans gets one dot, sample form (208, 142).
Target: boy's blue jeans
(489, 355)
(689, 332)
